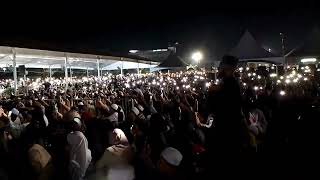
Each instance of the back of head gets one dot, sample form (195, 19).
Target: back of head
(157, 123)
(230, 61)
(38, 157)
(227, 66)
(118, 137)
(170, 160)
(74, 122)
(38, 118)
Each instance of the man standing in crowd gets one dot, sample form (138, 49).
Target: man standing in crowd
(229, 132)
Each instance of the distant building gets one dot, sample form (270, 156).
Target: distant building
(158, 55)
(308, 51)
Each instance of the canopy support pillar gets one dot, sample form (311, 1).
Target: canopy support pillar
(87, 72)
(15, 76)
(98, 68)
(66, 71)
(138, 69)
(121, 70)
(70, 68)
(150, 67)
(50, 73)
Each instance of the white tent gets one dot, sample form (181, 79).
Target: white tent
(129, 65)
(34, 58)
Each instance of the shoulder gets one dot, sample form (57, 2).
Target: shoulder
(75, 135)
(258, 111)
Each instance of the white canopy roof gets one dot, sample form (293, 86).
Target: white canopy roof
(128, 65)
(34, 58)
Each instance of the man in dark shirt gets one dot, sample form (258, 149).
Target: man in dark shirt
(229, 132)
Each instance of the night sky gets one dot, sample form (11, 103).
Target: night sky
(118, 27)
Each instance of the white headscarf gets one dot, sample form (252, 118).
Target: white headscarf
(79, 152)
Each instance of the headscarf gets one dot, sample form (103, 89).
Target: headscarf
(79, 152)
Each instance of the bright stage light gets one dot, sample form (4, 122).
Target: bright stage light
(197, 56)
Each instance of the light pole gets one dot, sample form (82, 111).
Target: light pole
(197, 57)
(283, 49)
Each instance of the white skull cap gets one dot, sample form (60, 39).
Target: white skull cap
(172, 156)
(114, 107)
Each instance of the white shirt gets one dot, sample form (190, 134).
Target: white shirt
(79, 152)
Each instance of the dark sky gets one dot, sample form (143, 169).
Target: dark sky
(213, 27)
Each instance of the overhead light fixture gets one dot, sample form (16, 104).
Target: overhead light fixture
(305, 60)
(133, 51)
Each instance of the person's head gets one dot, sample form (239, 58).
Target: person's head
(118, 137)
(139, 126)
(38, 120)
(14, 114)
(73, 119)
(27, 117)
(227, 66)
(170, 160)
(39, 158)
(133, 114)
(157, 123)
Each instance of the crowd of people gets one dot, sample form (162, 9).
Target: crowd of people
(151, 126)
